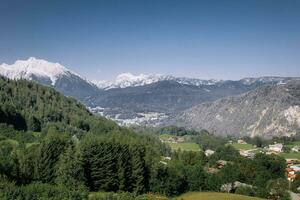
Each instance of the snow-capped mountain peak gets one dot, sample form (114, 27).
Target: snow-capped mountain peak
(130, 80)
(26, 69)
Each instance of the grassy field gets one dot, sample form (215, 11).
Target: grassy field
(292, 144)
(296, 143)
(184, 146)
(243, 146)
(213, 196)
(291, 155)
(106, 195)
(164, 136)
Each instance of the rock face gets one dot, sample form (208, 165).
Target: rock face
(266, 111)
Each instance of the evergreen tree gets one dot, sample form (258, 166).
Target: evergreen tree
(49, 152)
(70, 168)
(124, 168)
(138, 169)
(33, 123)
(195, 176)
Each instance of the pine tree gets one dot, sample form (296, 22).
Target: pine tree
(103, 167)
(124, 168)
(49, 152)
(138, 169)
(33, 123)
(70, 168)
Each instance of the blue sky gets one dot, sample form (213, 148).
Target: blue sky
(222, 39)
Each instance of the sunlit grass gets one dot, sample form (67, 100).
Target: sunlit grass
(242, 146)
(184, 146)
(213, 196)
(291, 155)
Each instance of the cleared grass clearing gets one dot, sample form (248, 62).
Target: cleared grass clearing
(242, 146)
(109, 195)
(296, 143)
(291, 155)
(164, 136)
(213, 196)
(292, 144)
(184, 146)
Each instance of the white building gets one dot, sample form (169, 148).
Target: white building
(241, 142)
(276, 147)
(247, 153)
(296, 149)
(209, 152)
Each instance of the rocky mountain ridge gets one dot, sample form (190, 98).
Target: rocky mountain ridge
(267, 111)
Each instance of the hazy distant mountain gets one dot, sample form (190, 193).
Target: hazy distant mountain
(166, 96)
(130, 80)
(268, 111)
(172, 96)
(51, 74)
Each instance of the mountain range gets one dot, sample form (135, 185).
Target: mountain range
(129, 80)
(157, 99)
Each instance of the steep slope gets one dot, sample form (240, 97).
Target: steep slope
(29, 106)
(50, 74)
(267, 111)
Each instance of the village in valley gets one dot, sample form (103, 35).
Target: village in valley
(290, 152)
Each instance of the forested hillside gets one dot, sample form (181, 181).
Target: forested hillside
(30, 106)
(54, 145)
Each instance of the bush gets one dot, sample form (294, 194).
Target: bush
(121, 196)
(245, 190)
(112, 196)
(38, 191)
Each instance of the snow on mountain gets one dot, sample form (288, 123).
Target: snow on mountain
(51, 74)
(196, 81)
(129, 80)
(27, 69)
